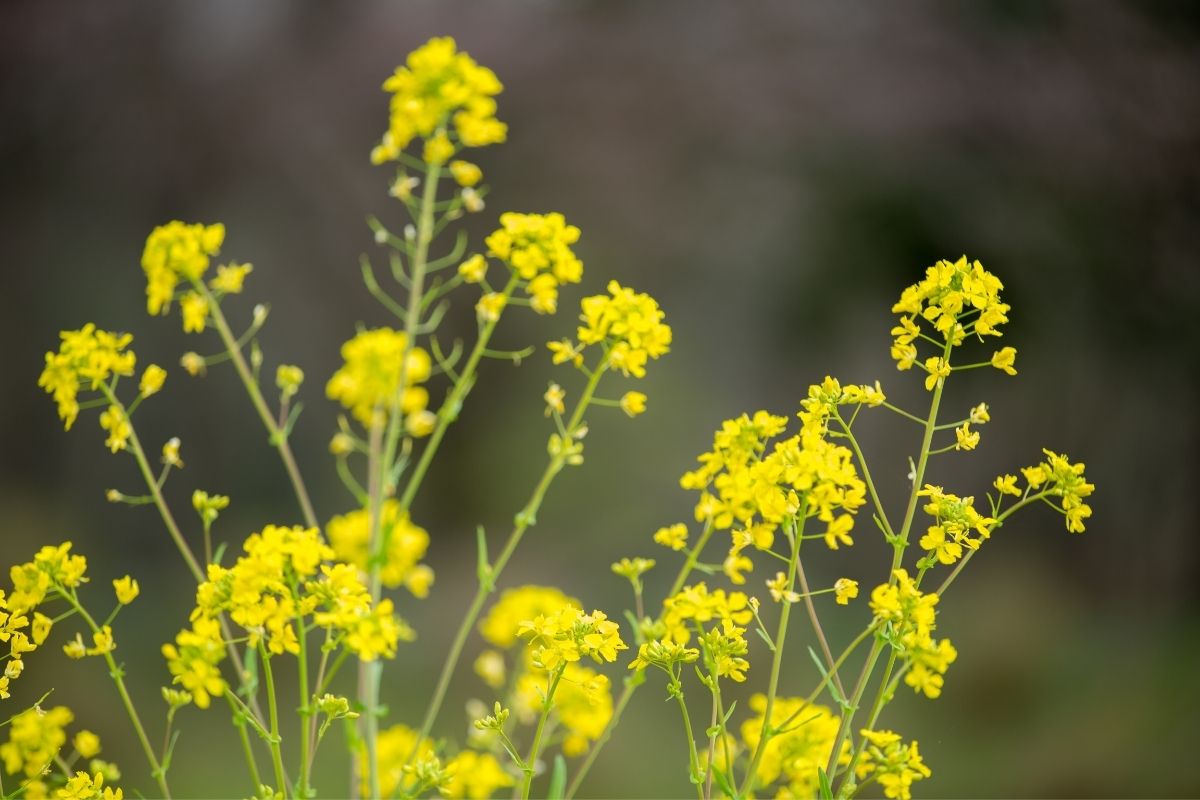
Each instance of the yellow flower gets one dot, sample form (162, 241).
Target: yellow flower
(979, 414)
(490, 667)
(193, 363)
(795, 752)
(780, 593)
(554, 400)
(152, 380)
(465, 173)
(845, 590)
(489, 306)
(436, 86)
(170, 453)
(82, 786)
(75, 649)
(35, 737)
(674, 536)
(633, 403)
(891, 763)
(938, 368)
(967, 439)
(502, 621)
(102, 642)
(564, 351)
(87, 744)
(194, 660)
(86, 359)
(406, 545)
(1007, 484)
(288, 378)
(368, 380)
(472, 201)
(474, 269)
(629, 324)
(838, 531)
(1004, 358)
(126, 589)
(230, 278)
(116, 422)
(537, 247)
(438, 149)
(177, 252)
(475, 775)
(195, 312)
(421, 423)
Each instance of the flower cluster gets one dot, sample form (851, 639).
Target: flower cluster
(891, 763)
(503, 621)
(1058, 477)
(36, 738)
(537, 248)
(468, 774)
(405, 546)
(181, 253)
(440, 95)
(284, 577)
(583, 704)
(86, 360)
(22, 627)
(911, 616)
(804, 739)
(367, 382)
(723, 644)
(567, 635)
(957, 299)
(954, 520)
(628, 324)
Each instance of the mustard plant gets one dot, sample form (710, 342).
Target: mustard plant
(324, 599)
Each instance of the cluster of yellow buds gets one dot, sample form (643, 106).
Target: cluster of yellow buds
(567, 635)
(537, 249)
(911, 616)
(367, 382)
(894, 765)
(954, 520)
(181, 253)
(440, 95)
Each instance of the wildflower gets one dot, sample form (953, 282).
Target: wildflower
(490, 667)
(779, 589)
(1004, 358)
(937, 368)
(194, 660)
(178, 252)
(554, 400)
(405, 545)
(75, 649)
(674, 536)
(631, 326)
(465, 173)
(489, 306)
(967, 439)
(288, 378)
(209, 506)
(1007, 484)
(474, 269)
(152, 380)
(1066, 481)
(537, 248)
(35, 737)
(733, 567)
(82, 786)
(116, 422)
(126, 589)
(845, 590)
(367, 382)
(401, 189)
(564, 351)
(341, 444)
(633, 569)
(86, 359)
(87, 744)
(500, 625)
(475, 775)
(796, 749)
(894, 765)
(438, 149)
(979, 414)
(439, 85)
(176, 698)
(421, 423)
(170, 453)
(102, 642)
(192, 363)
(838, 531)
(194, 308)
(230, 278)
(633, 403)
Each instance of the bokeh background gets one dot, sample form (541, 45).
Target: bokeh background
(774, 173)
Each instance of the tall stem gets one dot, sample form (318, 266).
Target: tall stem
(278, 439)
(273, 709)
(693, 757)
(547, 704)
(117, 675)
(524, 519)
(777, 662)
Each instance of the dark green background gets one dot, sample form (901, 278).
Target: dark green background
(774, 174)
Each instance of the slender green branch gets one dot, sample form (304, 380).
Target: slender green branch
(274, 740)
(278, 437)
(547, 705)
(816, 622)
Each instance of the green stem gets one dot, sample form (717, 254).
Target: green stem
(450, 408)
(273, 709)
(117, 675)
(862, 463)
(816, 622)
(278, 439)
(776, 663)
(524, 519)
(239, 722)
(306, 710)
(693, 757)
(547, 704)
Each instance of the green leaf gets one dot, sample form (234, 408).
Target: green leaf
(558, 779)
(823, 787)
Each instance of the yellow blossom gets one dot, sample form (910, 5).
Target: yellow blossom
(938, 368)
(370, 377)
(230, 277)
(1004, 358)
(438, 149)
(554, 400)
(116, 422)
(405, 545)
(288, 378)
(152, 380)
(87, 744)
(177, 252)
(170, 453)
(86, 359)
(465, 173)
(780, 593)
(979, 414)
(845, 590)
(102, 642)
(966, 438)
(1007, 484)
(126, 589)
(194, 307)
(474, 269)
(490, 667)
(192, 363)
(674, 536)
(490, 306)
(633, 403)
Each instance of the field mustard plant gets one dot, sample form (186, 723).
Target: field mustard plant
(313, 598)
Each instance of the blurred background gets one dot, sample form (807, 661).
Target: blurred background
(774, 174)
